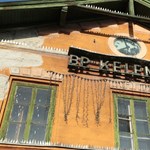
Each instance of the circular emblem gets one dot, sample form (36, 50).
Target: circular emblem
(124, 46)
(127, 46)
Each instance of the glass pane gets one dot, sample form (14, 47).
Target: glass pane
(123, 108)
(37, 132)
(124, 126)
(125, 134)
(15, 131)
(19, 113)
(144, 144)
(23, 95)
(43, 97)
(142, 128)
(140, 110)
(40, 114)
(125, 143)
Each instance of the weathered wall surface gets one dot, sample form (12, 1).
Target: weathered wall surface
(34, 63)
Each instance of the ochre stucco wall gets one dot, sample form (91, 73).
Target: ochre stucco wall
(73, 132)
(96, 38)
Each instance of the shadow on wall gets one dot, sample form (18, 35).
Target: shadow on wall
(34, 36)
(28, 36)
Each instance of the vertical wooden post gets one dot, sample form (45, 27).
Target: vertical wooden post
(63, 16)
(131, 12)
(131, 7)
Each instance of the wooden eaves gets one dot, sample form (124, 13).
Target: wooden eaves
(38, 12)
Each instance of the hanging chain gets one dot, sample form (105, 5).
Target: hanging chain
(68, 85)
(109, 102)
(93, 95)
(100, 93)
(104, 92)
(87, 103)
(64, 86)
(98, 101)
(70, 96)
(51, 76)
(78, 94)
(84, 105)
(68, 93)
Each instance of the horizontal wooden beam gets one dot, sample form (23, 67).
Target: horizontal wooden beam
(143, 2)
(112, 13)
(49, 3)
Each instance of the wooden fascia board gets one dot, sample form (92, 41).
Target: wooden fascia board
(99, 1)
(147, 1)
(31, 6)
(107, 12)
(144, 3)
(50, 3)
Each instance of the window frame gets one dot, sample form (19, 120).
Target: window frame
(10, 104)
(131, 98)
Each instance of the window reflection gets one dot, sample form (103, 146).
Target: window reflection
(40, 114)
(19, 113)
(125, 143)
(133, 123)
(140, 110)
(123, 108)
(142, 128)
(42, 97)
(23, 95)
(15, 131)
(33, 100)
(125, 130)
(144, 144)
(124, 125)
(37, 132)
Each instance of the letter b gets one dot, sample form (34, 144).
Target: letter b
(74, 60)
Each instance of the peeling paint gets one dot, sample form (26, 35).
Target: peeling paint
(3, 85)
(10, 58)
(27, 36)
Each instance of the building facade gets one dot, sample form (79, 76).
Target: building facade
(82, 83)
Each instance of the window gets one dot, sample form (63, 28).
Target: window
(29, 113)
(132, 122)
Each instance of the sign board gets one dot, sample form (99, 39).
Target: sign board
(90, 63)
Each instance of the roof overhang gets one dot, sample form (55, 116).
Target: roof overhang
(38, 12)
